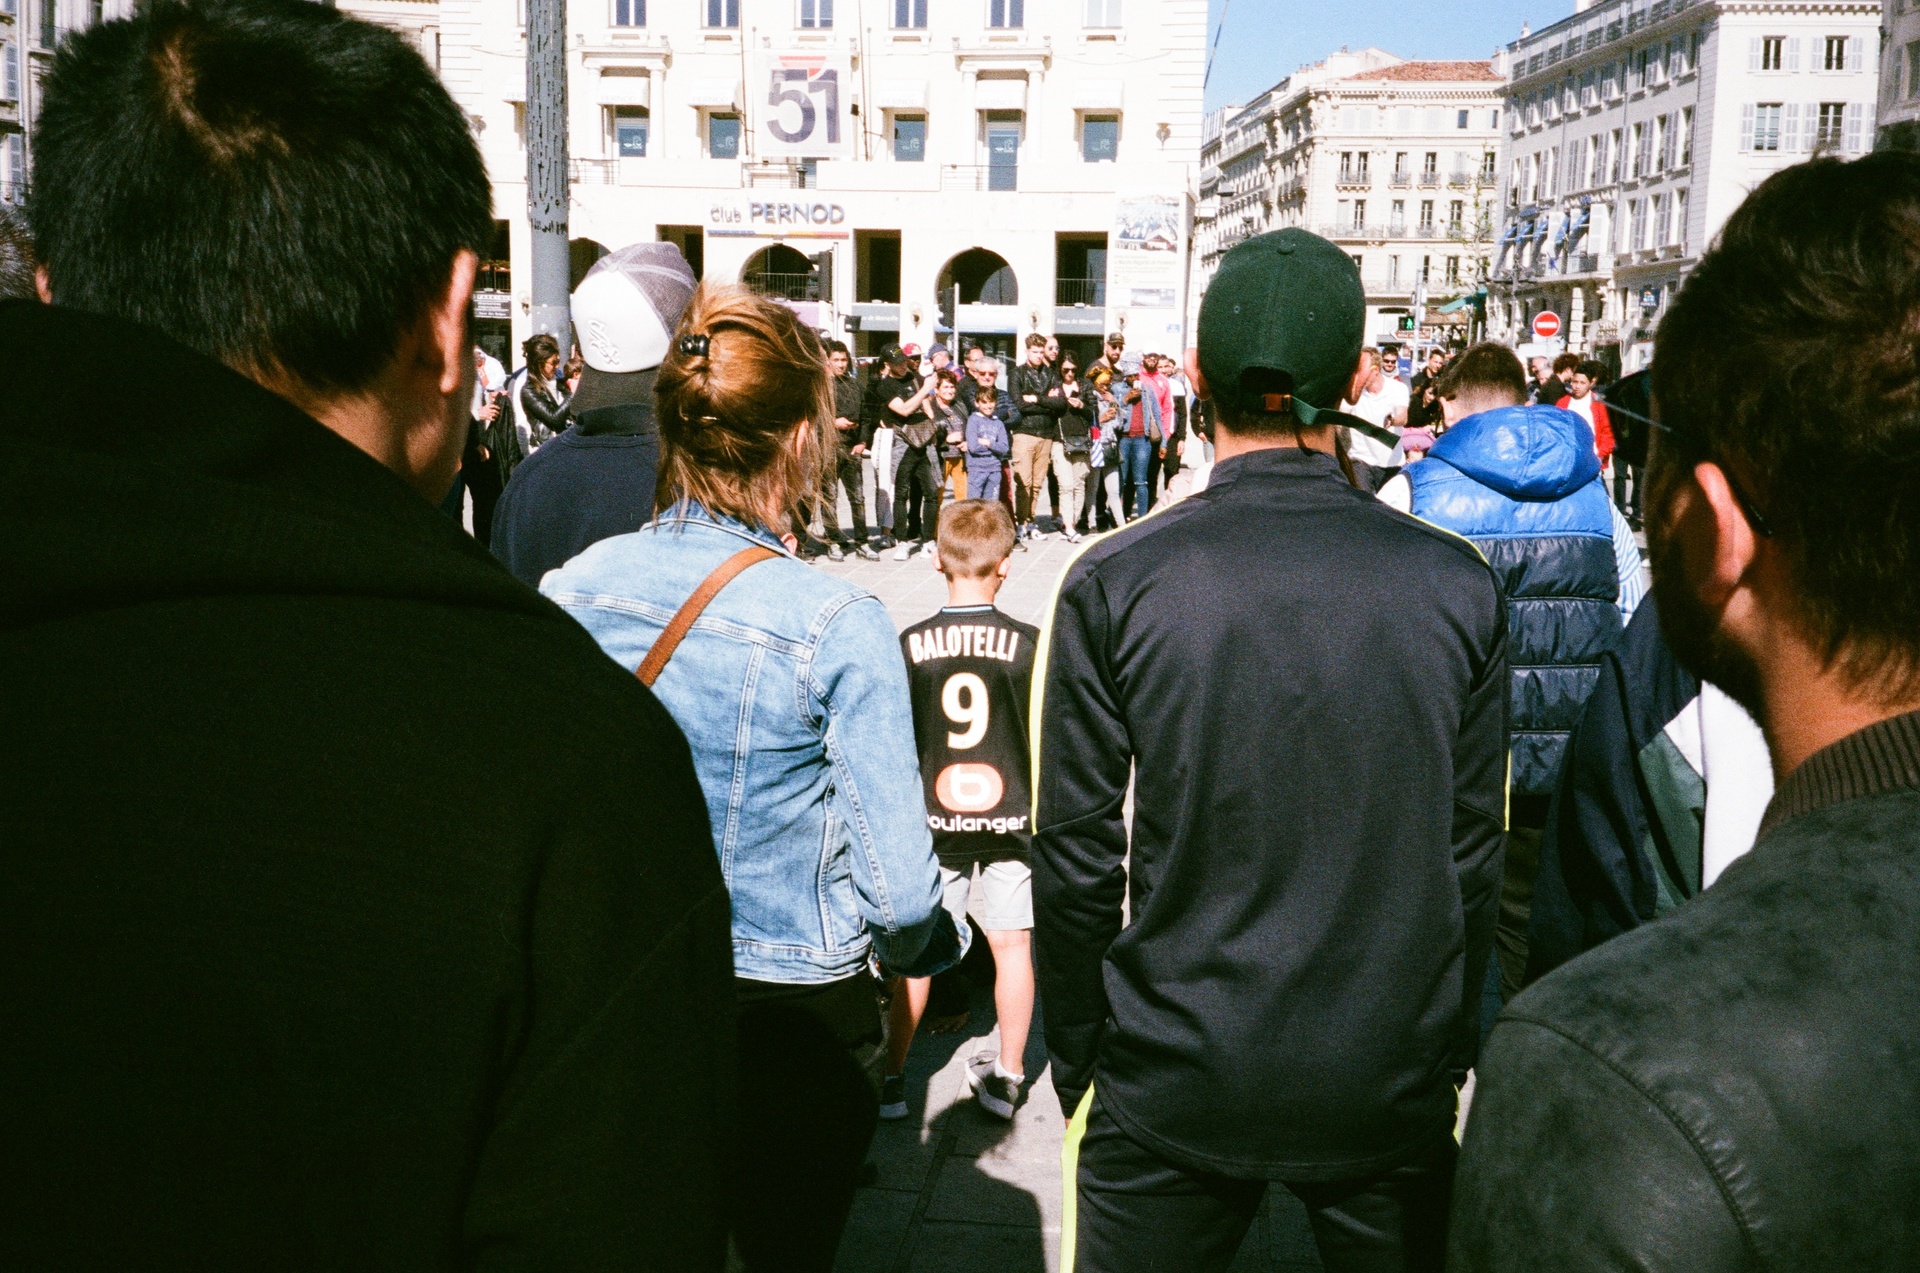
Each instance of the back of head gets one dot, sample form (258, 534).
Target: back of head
(742, 375)
(1280, 331)
(271, 182)
(17, 257)
(1487, 376)
(975, 536)
(1566, 364)
(1789, 359)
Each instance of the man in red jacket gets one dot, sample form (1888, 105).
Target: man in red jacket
(1581, 402)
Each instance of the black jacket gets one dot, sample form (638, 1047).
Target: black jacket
(1040, 417)
(1317, 824)
(591, 483)
(358, 909)
(849, 403)
(1733, 1087)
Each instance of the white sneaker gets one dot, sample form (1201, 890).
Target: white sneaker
(902, 551)
(1071, 535)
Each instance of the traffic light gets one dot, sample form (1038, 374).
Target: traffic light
(1406, 322)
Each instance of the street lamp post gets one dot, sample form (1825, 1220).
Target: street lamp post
(547, 167)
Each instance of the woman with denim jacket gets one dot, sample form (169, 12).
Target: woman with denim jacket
(792, 693)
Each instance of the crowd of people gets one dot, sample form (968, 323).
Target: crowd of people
(379, 897)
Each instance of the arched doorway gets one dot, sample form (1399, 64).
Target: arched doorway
(790, 275)
(983, 278)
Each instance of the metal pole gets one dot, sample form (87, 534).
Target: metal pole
(547, 167)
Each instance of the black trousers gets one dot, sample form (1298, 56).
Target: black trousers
(916, 495)
(1138, 1212)
(846, 472)
(807, 1113)
(482, 477)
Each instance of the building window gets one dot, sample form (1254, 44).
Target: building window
(910, 15)
(1103, 13)
(910, 139)
(1836, 57)
(1662, 220)
(1456, 216)
(1913, 69)
(1488, 162)
(1461, 120)
(1100, 139)
(1397, 222)
(1766, 126)
(1359, 213)
(1773, 49)
(723, 15)
(1426, 216)
(1353, 166)
(723, 136)
(1680, 219)
(1429, 166)
(1637, 152)
(629, 13)
(1658, 161)
(50, 23)
(1637, 229)
(816, 14)
(1686, 136)
(630, 132)
(1006, 13)
(1002, 135)
(1830, 130)
(10, 52)
(1453, 270)
(1393, 273)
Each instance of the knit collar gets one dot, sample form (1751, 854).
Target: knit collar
(1873, 761)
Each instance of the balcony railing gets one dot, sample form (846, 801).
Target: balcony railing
(1429, 179)
(809, 286)
(1400, 180)
(1353, 177)
(1080, 292)
(593, 172)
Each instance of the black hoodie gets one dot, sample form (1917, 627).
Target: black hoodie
(358, 910)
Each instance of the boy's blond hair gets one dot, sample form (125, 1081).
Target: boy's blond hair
(975, 536)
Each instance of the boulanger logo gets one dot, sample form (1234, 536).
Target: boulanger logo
(999, 826)
(969, 788)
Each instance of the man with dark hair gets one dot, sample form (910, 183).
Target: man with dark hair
(1736, 1086)
(1523, 483)
(1039, 400)
(279, 989)
(843, 472)
(1293, 997)
(1423, 405)
(595, 479)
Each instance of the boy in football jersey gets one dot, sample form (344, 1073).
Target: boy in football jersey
(970, 669)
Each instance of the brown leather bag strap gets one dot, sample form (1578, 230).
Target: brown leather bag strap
(682, 621)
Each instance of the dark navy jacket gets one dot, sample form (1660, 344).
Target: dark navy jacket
(591, 483)
(1523, 483)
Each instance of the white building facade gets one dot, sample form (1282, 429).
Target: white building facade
(1394, 160)
(1636, 127)
(1899, 114)
(864, 160)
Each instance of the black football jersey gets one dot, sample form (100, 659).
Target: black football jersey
(971, 672)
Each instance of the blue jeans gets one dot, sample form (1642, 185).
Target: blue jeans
(1135, 454)
(983, 483)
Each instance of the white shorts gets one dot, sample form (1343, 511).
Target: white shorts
(1006, 895)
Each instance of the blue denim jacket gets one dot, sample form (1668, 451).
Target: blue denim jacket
(792, 692)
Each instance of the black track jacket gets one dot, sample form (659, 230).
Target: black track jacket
(1310, 690)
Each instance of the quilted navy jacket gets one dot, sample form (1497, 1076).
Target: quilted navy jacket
(1523, 483)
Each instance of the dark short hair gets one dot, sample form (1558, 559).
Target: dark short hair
(986, 393)
(836, 347)
(1566, 362)
(1591, 370)
(271, 182)
(17, 258)
(1788, 359)
(1489, 367)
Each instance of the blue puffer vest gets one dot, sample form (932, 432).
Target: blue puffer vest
(1523, 483)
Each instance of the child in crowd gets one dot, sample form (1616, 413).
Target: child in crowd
(987, 447)
(970, 670)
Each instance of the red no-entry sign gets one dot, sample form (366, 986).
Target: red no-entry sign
(1546, 324)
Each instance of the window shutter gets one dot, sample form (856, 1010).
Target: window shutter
(1856, 127)
(1793, 53)
(1855, 50)
(1746, 127)
(1753, 54)
(1790, 126)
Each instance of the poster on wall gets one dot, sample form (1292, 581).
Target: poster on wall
(1146, 268)
(800, 102)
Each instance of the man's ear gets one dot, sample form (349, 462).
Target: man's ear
(446, 335)
(1194, 376)
(1724, 539)
(1006, 564)
(1362, 372)
(41, 285)
(933, 557)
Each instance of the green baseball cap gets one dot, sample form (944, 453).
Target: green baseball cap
(1281, 327)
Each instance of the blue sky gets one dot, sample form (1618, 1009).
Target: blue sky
(1265, 41)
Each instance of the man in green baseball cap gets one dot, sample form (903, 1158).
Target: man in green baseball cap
(1291, 998)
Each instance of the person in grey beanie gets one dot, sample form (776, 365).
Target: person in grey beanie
(596, 479)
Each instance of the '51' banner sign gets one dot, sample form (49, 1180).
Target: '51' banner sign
(805, 115)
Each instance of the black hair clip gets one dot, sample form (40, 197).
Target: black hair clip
(694, 346)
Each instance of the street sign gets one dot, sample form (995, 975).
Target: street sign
(1546, 324)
